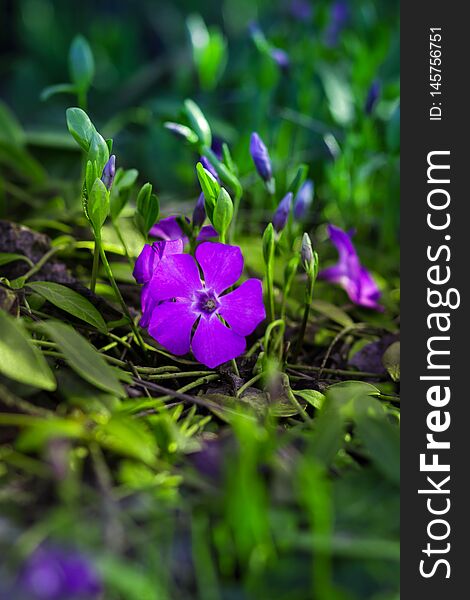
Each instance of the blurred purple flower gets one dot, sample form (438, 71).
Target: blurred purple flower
(339, 16)
(209, 167)
(109, 172)
(303, 199)
(301, 9)
(280, 57)
(281, 216)
(184, 299)
(349, 273)
(52, 573)
(372, 97)
(259, 154)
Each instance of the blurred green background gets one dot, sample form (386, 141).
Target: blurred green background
(149, 57)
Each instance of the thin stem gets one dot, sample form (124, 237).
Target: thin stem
(42, 261)
(248, 384)
(119, 297)
(96, 263)
(118, 231)
(270, 292)
(344, 372)
(235, 367)
(303, 327)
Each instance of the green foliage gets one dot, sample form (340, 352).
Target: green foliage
(19, 359)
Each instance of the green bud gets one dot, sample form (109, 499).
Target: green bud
(198, 122)
(98, 205)
(80, 127)
(148, 209)
(210, 188)
(268, 244)
(223, 213)
(309, 257)
(81, 63)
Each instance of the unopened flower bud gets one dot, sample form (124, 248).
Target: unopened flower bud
(259, 154)
(109, 172)
(199, 213)
(303, 200)
(281, 216)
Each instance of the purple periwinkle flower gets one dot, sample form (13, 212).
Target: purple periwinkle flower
(182, 299)
(109, 172)
(144, 268)
(372, 97)
(303, 199)
(280, 57)
(52, 573)
(349, 273)
(169, 229)
(259, 154)
(281, 216)
(208, 166)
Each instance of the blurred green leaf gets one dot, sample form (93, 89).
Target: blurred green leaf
(20, 359)
(81, 63)
(391, 360)
(209, 51)
(198, 122)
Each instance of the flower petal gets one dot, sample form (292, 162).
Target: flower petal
(168, 229)
(176, 276)
(207, 233)
(148, 259)
(171, 324)
(243, 309)
(221, 265)
(342, 241)
(214, 343)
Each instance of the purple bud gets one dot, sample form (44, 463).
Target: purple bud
(199, 213)
(301, 10)
(209, 167)
(259, 154)
(372, 97)
(281, 216)
(280, 57)
(109, 171)
(304, 199)
(339, 16)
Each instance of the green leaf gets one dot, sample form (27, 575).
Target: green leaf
(11, 132)
(209, 51)
(332, 312)
(313, 397)
(148, 209)
(70, 301)
(6, 257)
(210, 188)
(198, 122)
(128, 437)
(83, 358)
(81, 63)
(382, 440)
(20, 359)
(80, 127)
(121, 190)
(98, 205)
(391, 360)
(98, 151)
(223, 212)
(182, 131)
(59, 88)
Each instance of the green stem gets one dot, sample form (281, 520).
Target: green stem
(118, 231)
(96, 264)
(42, 261)
(270, 292)
(119, 297)
(248, 384)
(303, 327)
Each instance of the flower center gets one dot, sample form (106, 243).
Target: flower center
(206, 302)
